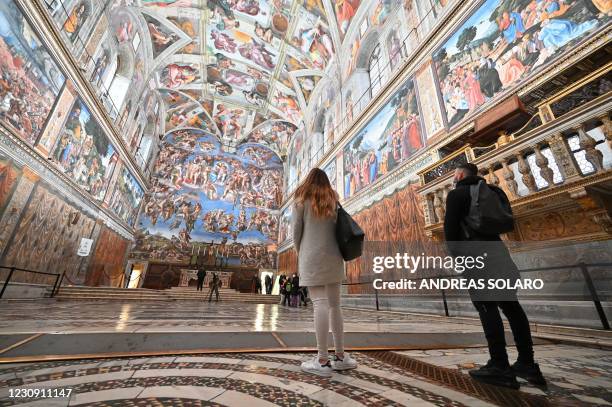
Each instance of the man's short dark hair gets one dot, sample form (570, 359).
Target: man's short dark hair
(469, 168)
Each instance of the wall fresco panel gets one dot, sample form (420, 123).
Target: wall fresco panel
(392, 136)
(58, 117)
(403, 222)
(126, 197)
(48, 236)
(498, 47)
(84, 152)
(13, 209)
(106, 266)
(30, 80)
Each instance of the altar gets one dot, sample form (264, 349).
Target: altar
(187, 275)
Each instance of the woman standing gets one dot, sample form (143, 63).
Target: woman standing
(320, 265)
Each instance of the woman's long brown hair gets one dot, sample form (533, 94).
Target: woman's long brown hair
(317, 188)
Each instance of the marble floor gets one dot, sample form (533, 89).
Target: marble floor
(225, 379)
(577, 375)
(102, 316)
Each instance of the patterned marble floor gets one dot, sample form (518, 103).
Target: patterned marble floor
(223, 380)
(575, 375)
(98, 316)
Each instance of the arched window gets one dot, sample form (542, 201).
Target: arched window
(119, 87)
(375, 70)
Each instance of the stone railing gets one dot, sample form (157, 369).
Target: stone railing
(539, 160)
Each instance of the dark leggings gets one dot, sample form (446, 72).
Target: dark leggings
(494, 329)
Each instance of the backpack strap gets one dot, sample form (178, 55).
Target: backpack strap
(475, 192)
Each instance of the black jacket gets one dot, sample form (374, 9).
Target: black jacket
(295, 285)
(458, 204)
(498, 262)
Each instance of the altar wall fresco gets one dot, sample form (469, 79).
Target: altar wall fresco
(204, 197)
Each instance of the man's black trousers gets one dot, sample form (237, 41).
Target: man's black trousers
(494, 330)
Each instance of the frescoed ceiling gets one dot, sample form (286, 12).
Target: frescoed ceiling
(229, 66)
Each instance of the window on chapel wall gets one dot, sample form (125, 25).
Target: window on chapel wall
(119, 87)
(144, 149)
(375, 70)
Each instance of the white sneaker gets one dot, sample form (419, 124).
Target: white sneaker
(313, 366)
(346, 363)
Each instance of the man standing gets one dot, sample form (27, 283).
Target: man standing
(214, 287)
(461, 240)
(268, 284)
(201, 277)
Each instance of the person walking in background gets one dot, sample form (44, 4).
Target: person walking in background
(258, 285)
(295, 290)
(214, 287)
(281, 287)
(321, 268)
(499, 264)
(268, 284)
(201, 277)
(286, 290)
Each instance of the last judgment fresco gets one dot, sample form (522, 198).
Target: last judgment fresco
(203, 196)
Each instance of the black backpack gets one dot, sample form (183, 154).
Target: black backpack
(349, 235)
(490, 211)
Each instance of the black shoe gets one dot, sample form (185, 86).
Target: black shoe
(496, 375)
(530, 372)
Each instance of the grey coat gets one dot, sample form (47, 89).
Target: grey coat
(319, 259)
